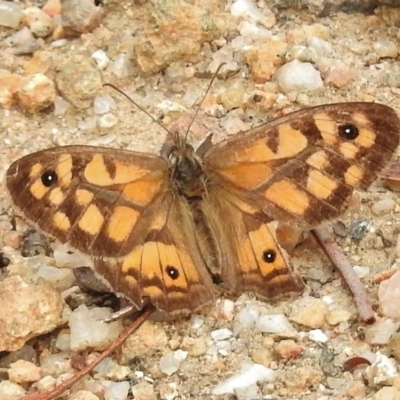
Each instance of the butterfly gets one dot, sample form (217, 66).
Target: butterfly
(167, 228)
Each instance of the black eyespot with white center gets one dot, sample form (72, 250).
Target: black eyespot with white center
(348, 131)
(49, 178)
(172, 272)
(269, 256)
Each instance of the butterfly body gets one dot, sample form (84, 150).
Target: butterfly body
(167, 228)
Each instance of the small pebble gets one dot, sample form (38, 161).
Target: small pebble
(379, 333)
(107, 121)
(108, 368)
(23, 371)
(386, 49)
(83, 395)
(359, 228)
(143, 391)
(221, 334)
(288, 349)
(46, 383)
(381, 372)
(55, 364)
(383, 207)
(309, 311)
(10, 14)
(316, 335)
(101, 59)
(36, 93)
(148, 337)
(78, 80)
(245, 319)
(103, 104)
(298, 76)
(251, 392)
(81, 16)
(227, 309)
(8, 389)
(116, 390)
(60, 278)
(121, 66)
(40, 24)
(63, 341)
(60, 106)
(88, 331)
(250, 374)
(335, 317)
(194, 346)
(29, 309)
(275, 323)
(389, 296)
(394, 345)
(321, 47)
(386, 393)
(170, 363)
(246, 9)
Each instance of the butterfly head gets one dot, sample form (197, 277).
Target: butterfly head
(186, 168)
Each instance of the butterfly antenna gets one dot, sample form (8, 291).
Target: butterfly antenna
(138, 106)
(202, 100)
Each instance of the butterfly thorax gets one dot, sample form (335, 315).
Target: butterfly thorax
(187, 171)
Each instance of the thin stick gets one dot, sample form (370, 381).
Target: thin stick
(343, 265)
(52, 394)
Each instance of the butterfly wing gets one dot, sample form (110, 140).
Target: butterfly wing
(166, 266)
(93, 198)
(303, 168)
(248, 253)
(116, 206)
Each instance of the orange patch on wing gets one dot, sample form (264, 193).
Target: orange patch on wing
(257, 152)
(353, 175)
(38, 190)
(320, 185)
(121, 223)
(84, 197)
(151, 264)
(91, 221)
(61, 221)
(56, 196)
(349, 150)
(318, 160)
(327, 127)
(96, 172)
(247, 176)
(36, 170)
(132, 261)
(291, 141)
(64, 169)
(288, 196)
(366, 138)
(142, 192)
(361, 119)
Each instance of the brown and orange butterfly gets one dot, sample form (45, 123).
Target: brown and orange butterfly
(167, 228)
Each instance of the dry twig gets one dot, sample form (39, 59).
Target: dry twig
(52, 394)
(342, 264)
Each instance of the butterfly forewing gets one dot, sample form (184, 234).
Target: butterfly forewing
(92, 198)
(304, 166)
